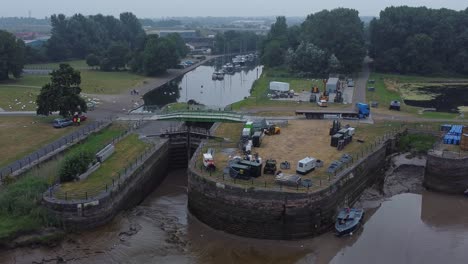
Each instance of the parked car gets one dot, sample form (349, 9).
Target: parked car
(82, 117)
(189, 62)
(59, 123)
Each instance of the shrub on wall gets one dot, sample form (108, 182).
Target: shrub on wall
(75, 165)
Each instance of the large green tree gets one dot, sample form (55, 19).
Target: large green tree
(340, 32)
(158, 55)
(62, 93)
(12, 55)
(420, 40)
(275, 46)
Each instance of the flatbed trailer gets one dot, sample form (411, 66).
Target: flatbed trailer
(322, 114)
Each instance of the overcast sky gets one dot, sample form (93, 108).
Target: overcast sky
(165, 8)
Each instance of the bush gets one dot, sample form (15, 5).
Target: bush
(22, 197)
(75, 165)
(416, 143)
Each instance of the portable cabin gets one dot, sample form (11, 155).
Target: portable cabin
(239, 171)
(255, 168)
(257, 139)
(306, 165)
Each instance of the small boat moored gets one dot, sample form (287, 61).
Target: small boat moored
(348, 221)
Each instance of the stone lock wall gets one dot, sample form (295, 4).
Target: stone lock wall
(446, 174)
(102, 209)
(270, 214)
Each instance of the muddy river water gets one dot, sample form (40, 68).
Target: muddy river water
(420, 227)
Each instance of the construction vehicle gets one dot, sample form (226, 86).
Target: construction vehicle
(270, 167)
(322, 103)
(339, 97)
(324, 95)
(394, 105)
(315, 90)
(272, 130)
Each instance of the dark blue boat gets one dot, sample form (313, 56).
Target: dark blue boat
(348, 220)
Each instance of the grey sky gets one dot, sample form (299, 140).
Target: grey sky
(165, 8)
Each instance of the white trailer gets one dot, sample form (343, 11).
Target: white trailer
(279, 86)
(306, 165)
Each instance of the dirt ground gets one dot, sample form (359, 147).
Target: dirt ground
(302, 138)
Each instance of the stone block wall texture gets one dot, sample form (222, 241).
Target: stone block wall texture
(447, 175)
(271, 214)
(132, 192)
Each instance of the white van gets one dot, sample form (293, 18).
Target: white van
(306, 165)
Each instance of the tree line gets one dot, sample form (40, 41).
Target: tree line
(113, 44)
(326, 41)
(12, 55)
(236, 41)
(420, 40)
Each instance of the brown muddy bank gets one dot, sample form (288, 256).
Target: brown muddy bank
(420, 227)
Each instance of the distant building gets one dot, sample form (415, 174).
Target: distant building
(36, 43)
(185, 34)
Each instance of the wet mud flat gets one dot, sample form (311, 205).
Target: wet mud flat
(403, 224)
(445, 98)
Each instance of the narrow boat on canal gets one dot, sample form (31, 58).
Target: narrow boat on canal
(348, 221)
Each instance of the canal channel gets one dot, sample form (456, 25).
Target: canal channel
(412, 226)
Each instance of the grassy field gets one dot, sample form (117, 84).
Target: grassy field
(258, 97)
(126, 151)
(390, 87)
(13, 98)
(23, 135)
(92, 81)
(20, 209)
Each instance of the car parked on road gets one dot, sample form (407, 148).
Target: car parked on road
(62, 122)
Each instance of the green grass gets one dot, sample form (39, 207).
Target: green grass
(21, 135)
(97, 141)
(390, 87)
(126, 151)
(14, 98)
(74, 63)
(258, 97)
(92, 81)
(417, 143)
(20, 209)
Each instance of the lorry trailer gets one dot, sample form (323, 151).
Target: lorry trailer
(362, 111)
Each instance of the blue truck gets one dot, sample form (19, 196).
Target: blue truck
(361, 111)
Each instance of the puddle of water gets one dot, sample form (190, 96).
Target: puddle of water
(447, 98)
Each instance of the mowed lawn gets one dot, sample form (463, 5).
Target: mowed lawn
(126, 151)
(92, 81)
(260, 87)
(14, 98)
(22, 135)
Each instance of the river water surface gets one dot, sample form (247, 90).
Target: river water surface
(406, 228)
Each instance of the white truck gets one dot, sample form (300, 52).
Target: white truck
(306, 165)
(279, 86)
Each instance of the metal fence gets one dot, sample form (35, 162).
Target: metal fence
(36, 156)
(117, 181)
(321, 181)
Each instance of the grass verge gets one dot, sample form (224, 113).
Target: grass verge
(22, 135)
(92, 81)
(126, 151)
(259, 98)
(20, 209)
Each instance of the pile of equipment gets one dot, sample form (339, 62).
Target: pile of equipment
(342, 138)
(454, 135)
